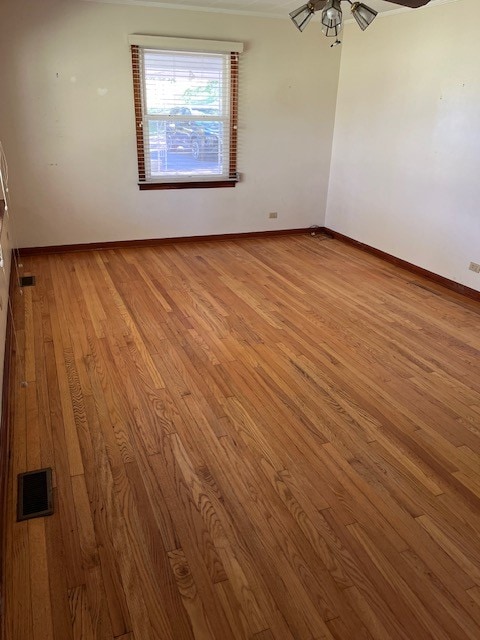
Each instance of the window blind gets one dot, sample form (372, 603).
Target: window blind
(186, 110)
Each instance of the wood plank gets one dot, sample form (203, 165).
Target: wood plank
(451, 548)
(81, 619)
(30, 336)
(58, 576)
(252, 439)
(264, 635)
(451, 608)
(94, 594)
(190, 597)
(39, 576)
(236, 616)
(65, 505)
(418, 615)
(371, 621)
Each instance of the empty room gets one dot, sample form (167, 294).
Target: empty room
(240, 320)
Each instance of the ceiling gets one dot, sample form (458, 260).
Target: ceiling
(274, 8)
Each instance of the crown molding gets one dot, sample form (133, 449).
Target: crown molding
(258, 14)
(187, 7)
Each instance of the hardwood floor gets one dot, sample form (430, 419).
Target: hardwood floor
(272, 439)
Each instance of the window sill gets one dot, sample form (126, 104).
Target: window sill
(151, 186)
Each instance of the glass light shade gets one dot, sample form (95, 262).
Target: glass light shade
(332, 31)
(332, 14)
(302, 16)
(363, 14)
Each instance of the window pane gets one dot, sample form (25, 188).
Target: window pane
(184, 148)
(174, 81)
(157, 145)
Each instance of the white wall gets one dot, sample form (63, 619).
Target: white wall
(73, 153)
(406, 155)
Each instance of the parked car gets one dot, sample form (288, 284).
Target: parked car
(201, 138)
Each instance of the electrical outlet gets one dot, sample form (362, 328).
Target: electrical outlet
(474, 267)
(272, 215)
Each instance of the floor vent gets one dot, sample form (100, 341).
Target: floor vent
(35, 497)
(27, 281)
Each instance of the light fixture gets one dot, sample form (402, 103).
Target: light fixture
(363, 14)
(332, 15)
(302, 16)
(332, 31)
(332, 18)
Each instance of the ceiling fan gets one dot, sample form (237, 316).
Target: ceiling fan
(332, 15)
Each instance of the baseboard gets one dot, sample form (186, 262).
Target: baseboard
(5, 446)
(154, 242)
(419, 271)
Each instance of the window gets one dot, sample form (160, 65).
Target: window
(186, 96)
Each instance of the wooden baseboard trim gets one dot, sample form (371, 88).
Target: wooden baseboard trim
(5, 446)
(419, 271)
(154, 242)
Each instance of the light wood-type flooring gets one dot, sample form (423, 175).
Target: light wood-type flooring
(263, 439)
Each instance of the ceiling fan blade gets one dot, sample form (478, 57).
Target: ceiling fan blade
(413, 4)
